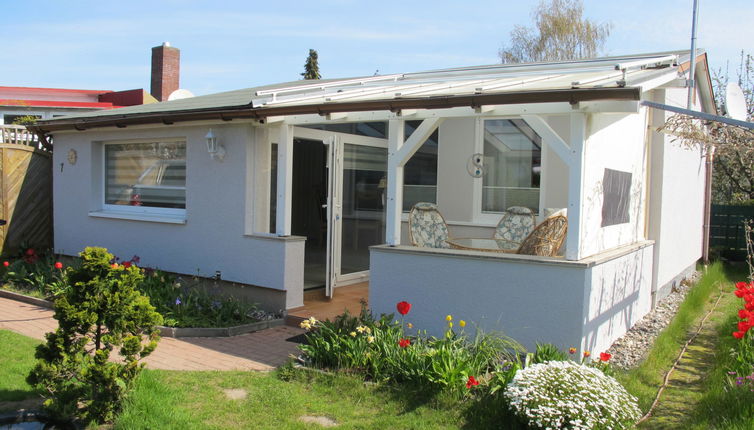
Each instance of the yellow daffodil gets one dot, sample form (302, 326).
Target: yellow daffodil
(409, 325)
(353, 334)
(449, 318)
(462, 323)
(305, 324)
(370, 339)
(450, 324)
(368, 330)
(361, 329)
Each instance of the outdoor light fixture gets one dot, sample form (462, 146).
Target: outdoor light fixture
(216, 151)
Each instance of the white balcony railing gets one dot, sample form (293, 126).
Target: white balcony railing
(19, 135)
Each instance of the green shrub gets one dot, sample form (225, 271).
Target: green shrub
(547, 352)
(99, 312)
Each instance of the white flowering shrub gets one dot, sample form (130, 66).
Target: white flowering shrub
(567, 395)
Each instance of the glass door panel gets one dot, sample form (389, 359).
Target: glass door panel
(363, 205)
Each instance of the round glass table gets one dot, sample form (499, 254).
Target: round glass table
(483, 244)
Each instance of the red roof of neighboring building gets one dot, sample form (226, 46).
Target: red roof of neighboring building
(52, 90)
(56, 103)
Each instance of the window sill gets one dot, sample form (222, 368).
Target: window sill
(167, 219)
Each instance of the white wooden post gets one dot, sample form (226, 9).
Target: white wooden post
(576, 186)
(396, 137)
(284, 180)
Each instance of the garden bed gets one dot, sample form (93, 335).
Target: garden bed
(169, 331)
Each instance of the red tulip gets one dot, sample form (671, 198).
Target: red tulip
(404, 343)
(738, 334)
(403, 307)
(30, 252)
(743, 326)
(6, 264)
(739, 293)
(749, 306)
(741, 285)
(58, 265)
(743, 313)
(572, 350)
(126, 264)
(471, 382)
(605, 356)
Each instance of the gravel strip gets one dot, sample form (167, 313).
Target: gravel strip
(632, 348)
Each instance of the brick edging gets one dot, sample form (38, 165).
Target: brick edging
(26, 299)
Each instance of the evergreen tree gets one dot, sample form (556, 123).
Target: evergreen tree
(311, 68)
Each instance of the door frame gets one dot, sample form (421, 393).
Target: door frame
(335, 142)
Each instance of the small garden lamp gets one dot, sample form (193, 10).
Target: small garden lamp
(216, 151)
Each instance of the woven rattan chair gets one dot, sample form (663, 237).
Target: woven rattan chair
(427, 227)
(517, 222)
(546, 239)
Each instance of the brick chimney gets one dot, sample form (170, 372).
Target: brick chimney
(166, 70)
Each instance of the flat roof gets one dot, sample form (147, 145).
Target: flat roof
(606, 78)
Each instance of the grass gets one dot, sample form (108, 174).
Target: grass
(33, 292)
(16, 360)
(723, 404)
(188, 400)
(698, 396)
(183, 400)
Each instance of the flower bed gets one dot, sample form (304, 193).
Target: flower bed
(181, 303)
(477, 366)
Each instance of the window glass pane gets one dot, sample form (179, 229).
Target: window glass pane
(420, 172)
(512, 165)
(146, 174)
(273, 187)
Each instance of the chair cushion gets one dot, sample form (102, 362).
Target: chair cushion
(517, 222)
(427, 227)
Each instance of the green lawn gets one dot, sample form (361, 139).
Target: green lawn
(16, 360)
(187, 400)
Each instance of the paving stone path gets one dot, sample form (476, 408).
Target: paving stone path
(263, 350)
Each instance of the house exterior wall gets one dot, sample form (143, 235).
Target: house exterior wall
(587, 304)
(617, 142)
(676, 200)
(213, 236)
(618, 295)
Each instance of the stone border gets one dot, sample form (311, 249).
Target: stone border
(219, 331)
(169, 331)
(26, 299)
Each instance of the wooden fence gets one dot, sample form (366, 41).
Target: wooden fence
(727, 233)
(25, 191)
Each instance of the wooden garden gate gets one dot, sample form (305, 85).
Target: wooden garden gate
(25, 191)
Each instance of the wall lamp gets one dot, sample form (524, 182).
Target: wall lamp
(216, 150)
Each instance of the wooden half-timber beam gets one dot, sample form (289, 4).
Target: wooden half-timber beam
(396, 138)
(399, 151)
(572, 154)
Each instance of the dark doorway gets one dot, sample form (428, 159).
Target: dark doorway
(309, 211)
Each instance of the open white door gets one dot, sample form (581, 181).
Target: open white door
(334, 212)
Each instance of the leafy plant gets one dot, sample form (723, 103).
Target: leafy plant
(382, 350)
(548, 352)
(185, 305)
(101, 311)
(33, 273)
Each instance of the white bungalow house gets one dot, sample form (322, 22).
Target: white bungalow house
(308, 183)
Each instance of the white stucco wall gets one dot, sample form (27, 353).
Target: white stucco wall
(213, 237)
(676, 197)
(617, 142)
(620, 295)
(586, 304)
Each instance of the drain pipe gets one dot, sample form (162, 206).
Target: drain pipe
(710, 151)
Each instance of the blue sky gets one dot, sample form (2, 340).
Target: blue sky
(237, 44)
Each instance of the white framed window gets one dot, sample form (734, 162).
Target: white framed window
(145, 177)
(512, 171)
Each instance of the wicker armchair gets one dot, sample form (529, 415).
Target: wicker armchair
(517, 222)
(546, 239)
(427, 227)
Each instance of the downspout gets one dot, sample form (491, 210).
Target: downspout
(709, 162)
(692, 66)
